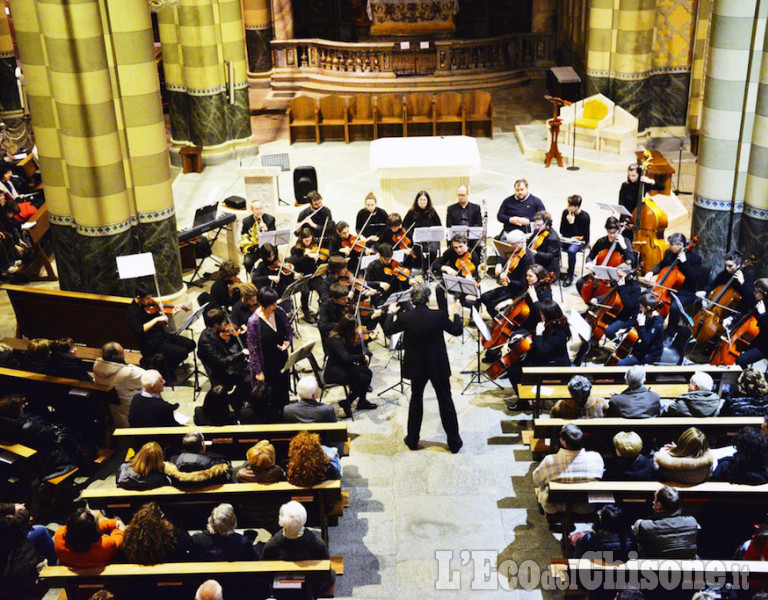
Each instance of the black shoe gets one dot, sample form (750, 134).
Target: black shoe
(456, 447)
(568, 282)
(411, 446)
(520, 405)
(307, 317)
(346, 406)
(365, 405)
(370, 388)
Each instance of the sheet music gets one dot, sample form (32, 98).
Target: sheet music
(422, 235)
(600, 498)
(480, 324)
(281, 237)
(579, 325)
(394, 340)
(617, 208)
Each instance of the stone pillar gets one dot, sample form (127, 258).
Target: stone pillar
(257, 17)
(754, 220)
(96, 112)
(282, 19)
(203, 48)
(9, 94)
(726, 128)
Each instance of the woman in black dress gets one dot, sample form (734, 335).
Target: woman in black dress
(269, 337)
(423, 214)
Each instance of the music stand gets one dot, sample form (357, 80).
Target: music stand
(294, 357)
(280, 237)
(425, 236)
(617, 208)
(367, 260)
(396, 344)
(186, 325)
(607, 273)
(295, 288)
(471, 233)
(277, 160)
(478, 375)
(397, 298)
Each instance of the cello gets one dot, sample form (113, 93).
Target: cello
(728, 349)
(625, 347)
(607, 309)
(670, 280)
(516, 353)
(650, 225)
(708, 322)
(606, 258)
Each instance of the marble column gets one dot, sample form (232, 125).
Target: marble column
(257, 17)
(95, 104)
(726, 127)
(9, 94)
(282, 19)
(205, 72)
(754, 221)
(696, 89)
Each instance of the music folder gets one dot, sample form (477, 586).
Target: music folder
(601, 272)
(617, 208)
(423, 235)
(280, 237)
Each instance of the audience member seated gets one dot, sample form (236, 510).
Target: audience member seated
(688, 461)
(88, 539)
(611, 534)
(19, 558)
(310, 462)
(667, 533)
(260, 467)
(308, 409)
(64, 363)
(145, 471)
(215, 410)
(151, 539)
(637, 401)
(7, 359)
(55, 443)
(111, 369)
(751, 399)
(194, 466)
(38, 355)
(296, 542)
(749, 464)
(581, 404)
(220, 541)
(698, 401)
(148, 409)
(38, 535)
(571, 464)
(629, 464)
(211, 590)
(757, 547)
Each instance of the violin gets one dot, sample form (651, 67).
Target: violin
(153, 307)
(516, 352)
(323, 254)
(728, 349)
(285, 268)
(651, 222)
(707, 323)
(670, 280)
(230, 330)
(395, 270)
(464, 265)
(362, 333)
(355, 243)
(511, 265)
(605, 258)
(538, 239)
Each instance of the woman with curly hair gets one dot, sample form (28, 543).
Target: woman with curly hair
(749, 464)
(150, 539)
(751, 399)
(145, 471)
(310, 462)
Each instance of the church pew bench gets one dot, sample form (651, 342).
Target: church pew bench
(85, 353)
(323, 499)
(539, 383)
(183, 579)
(89, 319)
(578, 576)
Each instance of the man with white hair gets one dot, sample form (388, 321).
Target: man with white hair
(637, 401)
(699, 401)
(511, 273)
(210, 590)
(111, 369)
(148, 409)
(308, 409)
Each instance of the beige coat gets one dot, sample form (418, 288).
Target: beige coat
(126, 379)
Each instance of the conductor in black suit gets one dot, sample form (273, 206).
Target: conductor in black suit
(426, 359)
(262, 222)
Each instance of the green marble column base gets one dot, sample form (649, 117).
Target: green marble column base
(178, 110)
(160, 238)
(711, 226)
(259, 50)
(9, 90)
(754, 242)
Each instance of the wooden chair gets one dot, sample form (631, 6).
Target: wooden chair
(40, 226)
(302, 114)
(419, 112)
(32, 171)
(388, 112)
(478, 112)
(361, 116)
(449, 111)
(332, 114)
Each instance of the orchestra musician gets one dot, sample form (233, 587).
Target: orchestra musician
(544, 243)
(376, 275)
(423, 214)
(629, 193)
(371, 220)
(147, 321)
(243, 308)
(315, 216)
(254, 224)
(604, 243)
(348, 363)
(517, 211)
(224, 291)
(399, 239)
(305, 255)
(629, 293)
(333, 307)
(689, 264)
(758, 348)
(223, 357)
(742, 284)
(574, 224)
(650, 330)
(464, 212)
(343, 243)
(511, 272)
(456, 260)
(273, 272)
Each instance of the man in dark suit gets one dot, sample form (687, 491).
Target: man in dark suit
(308, 409)
(225, 361)
(463, 212)
(426, 359)
(259, 221)
(317, 217)
(148, 409)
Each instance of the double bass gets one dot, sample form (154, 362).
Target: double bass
(670, 280)
(594, 287)
(650, 225)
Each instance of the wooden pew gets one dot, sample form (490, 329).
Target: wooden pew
(184, 578)
(37, 226)
(82, 352)
(581, 575)
(124, 503)
(552, 377)
(89, 319)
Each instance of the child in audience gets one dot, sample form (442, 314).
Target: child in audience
(88, 539)
(688, 461)
(611, 534)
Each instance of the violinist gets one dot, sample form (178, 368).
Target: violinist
(224, 357)
(315, 216)
(742, 284)
(147, 321)
(574, 225)
(371, 220)
(689, 264)
(544, 243)
(423, 214)
(758, 348)
(343, 243)
(629, 193)
(629, 293)
(612, 238)
(224, 292)
(243, 308)
(510, 272)
(254, 224)
(305, 255)
(377, 276)
(649, 325)
(269, 271)
(333, 307)
(348, 363)
(517, 211)
(457, 260)
(399, 239)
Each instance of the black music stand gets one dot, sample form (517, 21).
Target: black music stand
(277, 160)
(478, 375)
(295, 288)
(187, 326)
(396, 342)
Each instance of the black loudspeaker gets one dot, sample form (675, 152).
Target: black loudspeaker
(236, 202)
(304, 181)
